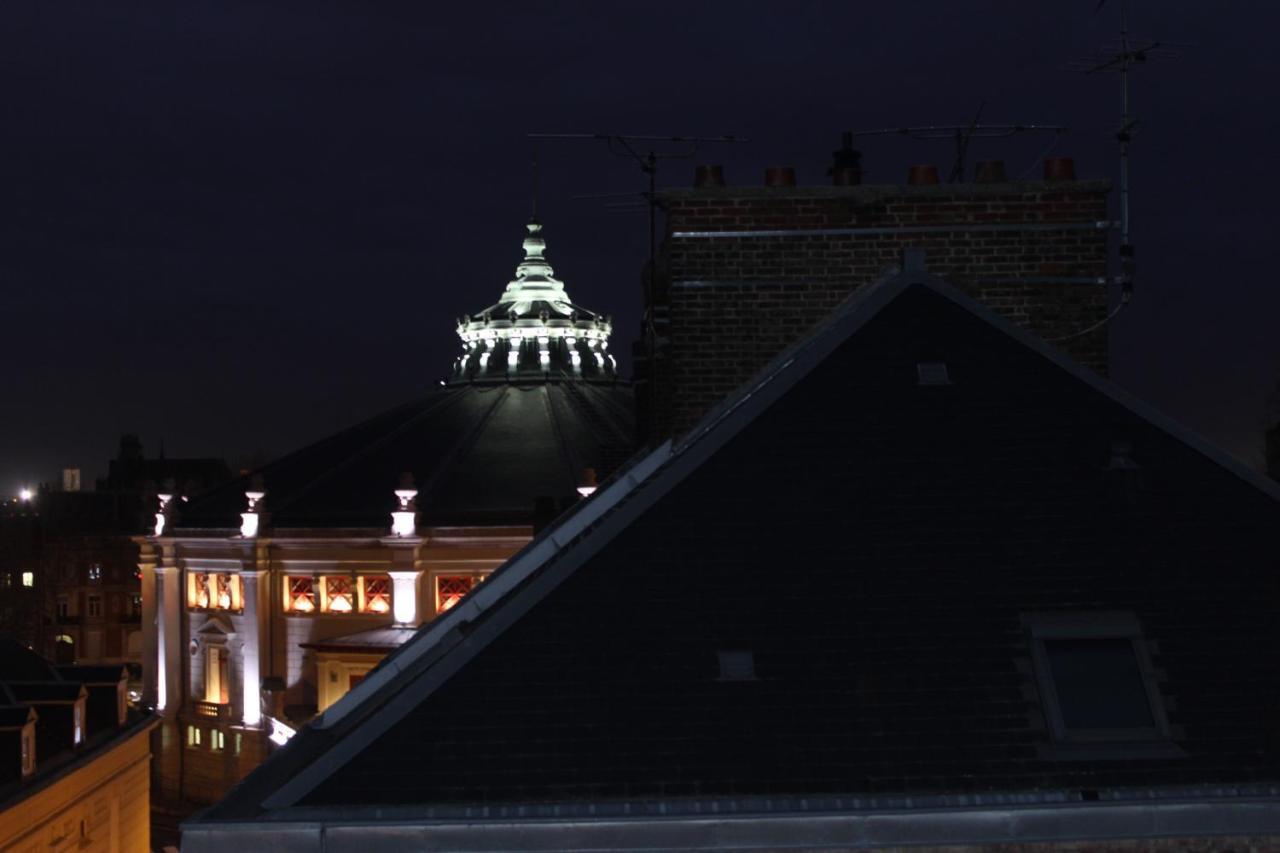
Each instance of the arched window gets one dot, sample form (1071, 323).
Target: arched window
(64, 649)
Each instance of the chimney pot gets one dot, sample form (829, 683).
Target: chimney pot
(780, 176)
(989, 172)
(708, 176)
(846, 176)
(1059, 169)
(922, 176)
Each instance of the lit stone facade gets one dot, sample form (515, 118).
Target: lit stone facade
(229, 664)
(266, 600)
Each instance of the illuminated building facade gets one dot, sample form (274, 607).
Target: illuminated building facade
(267, 599)
(74, 757)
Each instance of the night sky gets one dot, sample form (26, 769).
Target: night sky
(238, 227)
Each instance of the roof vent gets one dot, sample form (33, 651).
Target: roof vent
(737, 666)
(933, 373)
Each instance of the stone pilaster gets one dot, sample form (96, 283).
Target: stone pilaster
(147, 559)
(253, 629)
(171, 690)
(406, 579)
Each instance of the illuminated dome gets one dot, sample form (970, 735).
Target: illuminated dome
(534, 329)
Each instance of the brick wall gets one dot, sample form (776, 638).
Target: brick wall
(725, 302)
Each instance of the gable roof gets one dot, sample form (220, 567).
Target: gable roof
(941, 461)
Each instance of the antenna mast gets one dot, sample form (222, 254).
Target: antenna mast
(1118, 57)
(622, 145)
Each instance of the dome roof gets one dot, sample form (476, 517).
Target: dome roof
(534, 329)
(479, 453)
(503, 434)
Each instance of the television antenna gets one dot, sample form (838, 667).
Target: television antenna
(962, 134)
(1118, 56)
(631, 146)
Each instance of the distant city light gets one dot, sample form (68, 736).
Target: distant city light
(28, 579)
(25, 495)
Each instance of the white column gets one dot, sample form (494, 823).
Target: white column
(255, 608)
(404, 597)
(405, 576)
(170, 689)
(150, 624)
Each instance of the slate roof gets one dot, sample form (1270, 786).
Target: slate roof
(876, 544)
(19, 663)
(30, 683)
(480, 452)
(379, 639)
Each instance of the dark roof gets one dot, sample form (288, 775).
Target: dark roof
(82, 673)
(381, 639)
(37, 692)
(19, 663)
(479, 452)
(875, 543)
(14, 716)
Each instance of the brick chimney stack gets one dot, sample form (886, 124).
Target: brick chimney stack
(745, 271)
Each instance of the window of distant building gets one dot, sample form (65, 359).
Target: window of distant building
(1096, 682)
(213, 591)
(64, 607)
(450, 589)
(28, 749)
(375, 593)
(193, 736)
(95, 605)
(299, 594)
(28, 579)
(95, 572)
(336, 595)
(217, 740)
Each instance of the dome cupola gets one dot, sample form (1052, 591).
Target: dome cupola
(534, 330)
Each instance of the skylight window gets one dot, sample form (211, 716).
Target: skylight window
(1099, 684)
(1096, 682)
(932, 373)
(737, 666)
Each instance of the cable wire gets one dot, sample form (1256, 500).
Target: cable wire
(1124, 300)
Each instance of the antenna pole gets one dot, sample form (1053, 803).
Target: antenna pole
(652, 168)
(1123, 137)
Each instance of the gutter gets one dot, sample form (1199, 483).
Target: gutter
(373, 830)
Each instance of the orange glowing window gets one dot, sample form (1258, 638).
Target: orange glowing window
(301, 596)
(451, 589)
(375, 594)
(337, 597)
(224, 591)
(198, 590)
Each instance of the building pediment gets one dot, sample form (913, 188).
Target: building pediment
(214, 629)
